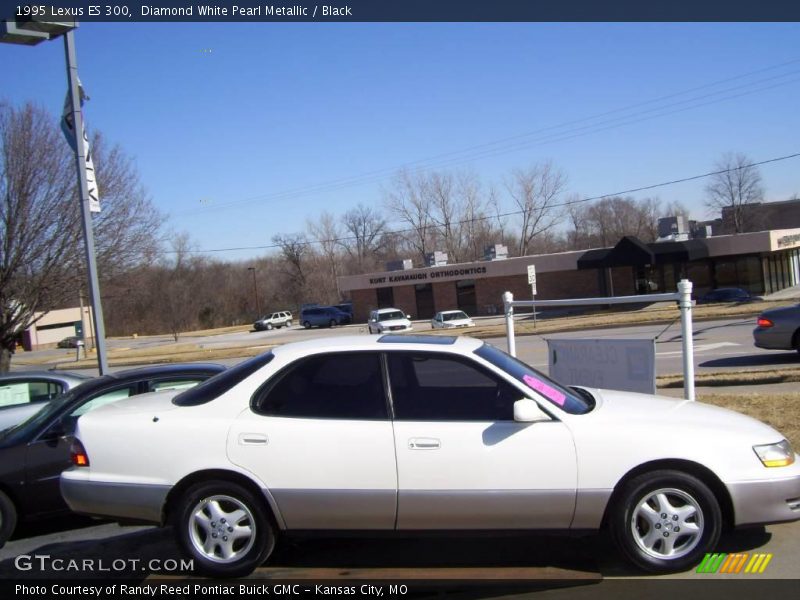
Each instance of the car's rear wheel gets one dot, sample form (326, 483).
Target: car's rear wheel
(8, 518)
(665, 521)
(332, 323)
(224, 528)
(307, 325)
(796, 340)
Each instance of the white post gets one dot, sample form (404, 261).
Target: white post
(685, 304)
(508, 298)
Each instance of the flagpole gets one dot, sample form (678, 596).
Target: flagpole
(88, 232)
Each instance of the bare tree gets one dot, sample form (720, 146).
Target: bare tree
(737, 184)
(294, 251)
(536, 191)
(327, 233)
(40, 249)
(365, 229)
(409, 203)
(609, 219)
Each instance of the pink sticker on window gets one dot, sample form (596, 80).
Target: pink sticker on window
(548, 392)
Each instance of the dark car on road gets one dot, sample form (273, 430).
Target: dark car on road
(778, 329)
(72, 341)
(323, 316)
(728, 295)
(34, 452)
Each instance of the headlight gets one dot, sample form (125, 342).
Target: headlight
(775, 455)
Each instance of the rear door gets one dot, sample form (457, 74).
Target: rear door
(319, 437)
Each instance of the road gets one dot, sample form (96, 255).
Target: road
(723, 345)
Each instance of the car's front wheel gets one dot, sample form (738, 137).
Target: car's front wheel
(224, 528)
(665, 521)
(269, 326)
(288, 323)
(307, 325)
(8, 518)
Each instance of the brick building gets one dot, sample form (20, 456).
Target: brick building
(761, 262)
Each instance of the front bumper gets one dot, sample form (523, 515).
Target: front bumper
(766, 501)
(124, 501)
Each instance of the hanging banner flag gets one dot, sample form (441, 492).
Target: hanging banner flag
(68, 127)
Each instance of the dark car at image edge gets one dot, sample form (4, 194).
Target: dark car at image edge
(34, 452)
(778, 329)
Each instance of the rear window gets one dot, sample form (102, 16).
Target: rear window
(219, 384)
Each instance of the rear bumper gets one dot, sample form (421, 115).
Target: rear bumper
(768, 501)
(123, 501)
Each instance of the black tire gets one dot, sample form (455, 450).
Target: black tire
(307, 325)
(200, 515)
(8, 518)
(288, 323)
(269, 326)
(665, 521)
(332, 323)
(796, 340)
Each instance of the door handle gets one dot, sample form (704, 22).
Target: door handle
(424, 444)
(252, 439)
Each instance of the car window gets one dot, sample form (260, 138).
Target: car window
(103, 399)
(219, 384)
(22, 392)
(454, 316)
(388, 316)
(440, 387)
(328, 386)
(565, 398)
(174, 384)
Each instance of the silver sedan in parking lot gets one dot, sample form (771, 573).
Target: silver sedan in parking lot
(779, 329)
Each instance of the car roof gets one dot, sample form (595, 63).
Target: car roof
(460, 344)
(170, 369)
(455, 310)
(382, 310)
(51, 375)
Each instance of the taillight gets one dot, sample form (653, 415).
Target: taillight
(764, 322)
(77, 454)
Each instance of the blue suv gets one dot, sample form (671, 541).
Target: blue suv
(323, 316)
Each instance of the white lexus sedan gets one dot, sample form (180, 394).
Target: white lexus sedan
(414, 433)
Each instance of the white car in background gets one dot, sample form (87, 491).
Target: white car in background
(451, 319)
(385, 320)
(413, 433)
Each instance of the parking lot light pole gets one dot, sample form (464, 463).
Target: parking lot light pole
(32, 33)
(255, 291)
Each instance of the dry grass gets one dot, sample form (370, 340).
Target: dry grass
(781, 411)
(761, 377)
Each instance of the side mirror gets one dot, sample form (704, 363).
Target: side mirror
(527, 411)
(408, 317)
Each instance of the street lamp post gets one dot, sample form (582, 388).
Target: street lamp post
(32, 33)
(255, 291)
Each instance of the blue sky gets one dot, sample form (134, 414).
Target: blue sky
(233, 126)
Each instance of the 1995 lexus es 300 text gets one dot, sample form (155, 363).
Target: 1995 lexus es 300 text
(413, 433)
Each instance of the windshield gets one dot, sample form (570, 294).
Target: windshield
(562, 397)
(454, 316)
(390, 316)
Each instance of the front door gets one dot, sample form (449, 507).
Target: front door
(463, 462)
(321, 441)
